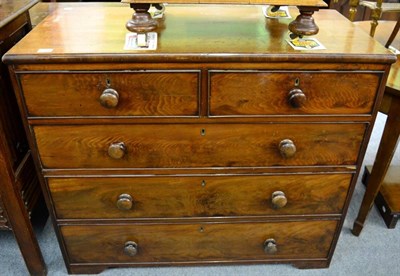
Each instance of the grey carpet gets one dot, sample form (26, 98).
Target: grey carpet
(375, 252)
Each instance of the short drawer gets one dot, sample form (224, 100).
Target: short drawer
(283, 93)
(190, 145)
(162, 243)
(161, 197)
(133, 93)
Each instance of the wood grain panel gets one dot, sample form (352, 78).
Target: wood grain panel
(158, 197)
(140, 94)
(198, 242)
(219, 33)
(267, 93)
(184, 145)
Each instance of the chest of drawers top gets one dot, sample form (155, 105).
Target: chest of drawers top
(191, 33)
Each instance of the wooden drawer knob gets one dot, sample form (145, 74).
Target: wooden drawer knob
(270, 246)
(109, 98)
(279, 199)
(296, 97)
(130, 248)
(124, 202)
(287, 148)
(117, 150)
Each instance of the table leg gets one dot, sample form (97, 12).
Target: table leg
(18, 215)
(141, 21)
(304, 23)
(383, 158)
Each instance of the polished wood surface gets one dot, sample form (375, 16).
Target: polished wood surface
(178, 183)
(20, 194)
(168, 93)
(183, 145)
(9, 10)
(220, 39)
(262, 93)
(384, 29)
(383, 32)
(208, 196)
(77, 94)
(165, 243)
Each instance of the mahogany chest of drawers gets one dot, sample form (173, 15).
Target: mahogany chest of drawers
(224, 145)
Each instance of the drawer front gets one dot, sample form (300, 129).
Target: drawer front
(161, 197)
(187, 145)
(135, 94)
(198, 242)
(273, 93)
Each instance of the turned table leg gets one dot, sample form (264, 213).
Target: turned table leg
(383, 158)
(304, 23)
(141, 21)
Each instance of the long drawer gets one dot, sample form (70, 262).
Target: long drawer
(131, 93)
(243, 93)
(209, 196)
(161, 243)
(189, 145)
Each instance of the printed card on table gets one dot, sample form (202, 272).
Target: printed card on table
(135, 41)
(282, 12)
(305, 43)
(157, 13)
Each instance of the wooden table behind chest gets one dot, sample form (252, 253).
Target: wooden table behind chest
(224, 145)
(14, 24)
(21, 199)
